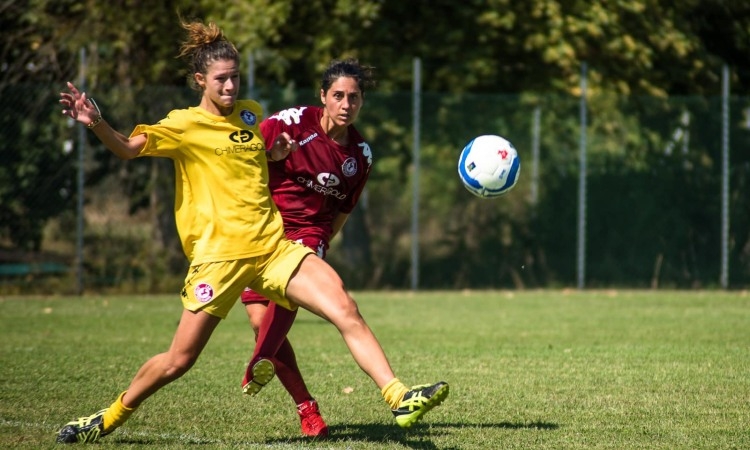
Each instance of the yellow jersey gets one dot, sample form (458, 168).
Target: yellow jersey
(223, 207)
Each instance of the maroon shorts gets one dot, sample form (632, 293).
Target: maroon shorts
(318, 245)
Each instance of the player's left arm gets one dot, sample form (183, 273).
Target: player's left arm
(338, 223)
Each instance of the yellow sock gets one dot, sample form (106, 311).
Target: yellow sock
(394, 392)
(116, 414)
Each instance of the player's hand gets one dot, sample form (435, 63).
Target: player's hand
(282, 146)
(78, 107)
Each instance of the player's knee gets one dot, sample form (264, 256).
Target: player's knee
(255, 315)
(255, 324)
(347, 314)
(350, 309)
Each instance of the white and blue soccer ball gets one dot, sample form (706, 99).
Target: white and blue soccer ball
(489, 166)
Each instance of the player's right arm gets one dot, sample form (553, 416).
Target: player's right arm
(122, 146)
(84, 110)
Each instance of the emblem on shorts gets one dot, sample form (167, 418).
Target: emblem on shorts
(248, 117)
(204, 292)
(349, 167)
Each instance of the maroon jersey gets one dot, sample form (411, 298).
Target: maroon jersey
(319, 180)
(315, 183)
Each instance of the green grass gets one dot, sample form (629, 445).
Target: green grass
(528, 370)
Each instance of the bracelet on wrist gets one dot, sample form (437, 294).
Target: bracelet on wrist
(98, 119)
(94, 123)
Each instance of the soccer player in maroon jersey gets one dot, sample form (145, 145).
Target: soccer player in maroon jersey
(316, 187)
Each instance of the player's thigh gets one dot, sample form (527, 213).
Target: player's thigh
(319, 289)
(276, 269)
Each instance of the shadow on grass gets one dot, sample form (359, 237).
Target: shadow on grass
(417, 437)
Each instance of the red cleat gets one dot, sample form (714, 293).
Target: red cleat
(312, 422)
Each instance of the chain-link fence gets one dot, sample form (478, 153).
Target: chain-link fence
(653, 198)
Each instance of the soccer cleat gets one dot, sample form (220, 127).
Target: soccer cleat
(312, 422)
(418, 401)
(257, 376)
(83, 429)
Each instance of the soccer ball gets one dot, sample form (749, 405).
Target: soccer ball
(489, 166)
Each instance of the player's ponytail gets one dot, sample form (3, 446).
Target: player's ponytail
(204, 45)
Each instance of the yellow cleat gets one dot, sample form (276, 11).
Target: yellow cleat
(418, 401)
(83, 429)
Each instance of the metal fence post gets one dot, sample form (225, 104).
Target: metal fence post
(582, 186)
(724, 277)
(417, 88)
(534, 193)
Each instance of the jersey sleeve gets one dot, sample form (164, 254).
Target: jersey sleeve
(365, 160)
(163, 138)
(279, 122)
(270, 128)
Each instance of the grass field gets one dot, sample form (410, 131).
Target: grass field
(528, 370)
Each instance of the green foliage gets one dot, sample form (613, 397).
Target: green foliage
(645, 47)
(542, 370)
(643, 58)
(36, 177)
(652, 201)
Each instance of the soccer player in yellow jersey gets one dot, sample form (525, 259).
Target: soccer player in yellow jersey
(232, 234)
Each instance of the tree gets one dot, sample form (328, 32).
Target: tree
(471, 51)
(35, 181)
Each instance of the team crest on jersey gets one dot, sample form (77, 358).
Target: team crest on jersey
(248, 117)
(349, 167)
(204, 292)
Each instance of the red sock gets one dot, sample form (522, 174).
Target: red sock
(289, 375)
(272, 333)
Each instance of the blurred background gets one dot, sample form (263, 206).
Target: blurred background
(632, 120)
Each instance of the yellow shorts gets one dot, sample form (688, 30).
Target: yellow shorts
(214, 287)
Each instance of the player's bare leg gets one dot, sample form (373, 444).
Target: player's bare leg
(318, 288)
